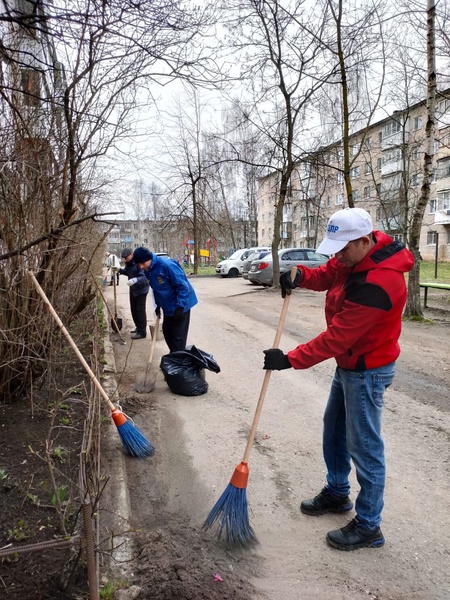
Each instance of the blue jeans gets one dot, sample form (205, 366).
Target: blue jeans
(352, 432)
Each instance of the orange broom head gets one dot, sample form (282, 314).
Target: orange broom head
(240, 476)
(118, 417)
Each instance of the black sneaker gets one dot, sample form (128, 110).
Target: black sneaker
(133, 331)
(138, 336)
(325, 502)
(353, 537)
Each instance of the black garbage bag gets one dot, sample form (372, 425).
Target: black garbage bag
(184, 370)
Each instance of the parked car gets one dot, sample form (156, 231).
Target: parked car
(232, 266)
(250, 258)
(261, 271)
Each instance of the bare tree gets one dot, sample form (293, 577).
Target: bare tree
(76, 74)
(413, 307)
(284, 63)
(355, 40)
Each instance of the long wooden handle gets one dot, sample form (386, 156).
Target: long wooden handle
(268, 373)
(71, 342)
(152, 347)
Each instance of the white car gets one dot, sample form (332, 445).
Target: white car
(232, 266)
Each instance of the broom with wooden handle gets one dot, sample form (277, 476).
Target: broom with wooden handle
(231, 509)
(134, 442)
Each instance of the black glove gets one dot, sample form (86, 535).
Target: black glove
(276, 360)
(287, 284)
(158, 312)
(178, 314)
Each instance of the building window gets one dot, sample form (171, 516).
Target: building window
(391, 129)
(366, 192)
(30, 85)
(415, 153)
(392, 156)
(354, 173)
(432, 206)
(414, 180)
(444, 200)
(398, 237)
(339, 177)
(368, 143)
(448, 237)
(379, 163)
(367, 169)
(417, 123)
(339, 199)
(355, 195)
(442, 106)
(328, 201)
(431, 238)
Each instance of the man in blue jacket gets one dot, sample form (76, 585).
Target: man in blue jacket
(173, 294)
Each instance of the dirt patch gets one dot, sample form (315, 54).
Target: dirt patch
(39, 467)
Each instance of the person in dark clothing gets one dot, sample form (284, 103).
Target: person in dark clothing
(139, 289)
(366, 294)
(173, 294)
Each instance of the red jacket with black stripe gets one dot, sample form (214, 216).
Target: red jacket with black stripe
(363, 308)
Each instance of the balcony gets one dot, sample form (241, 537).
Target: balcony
(397, 139)
(391, 167)
(442, 217)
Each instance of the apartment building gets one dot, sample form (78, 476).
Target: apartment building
(386, 173)
(175, 237)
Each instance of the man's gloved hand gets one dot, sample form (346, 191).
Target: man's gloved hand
(132, 281)
(158, 312)
(178, 314)
(286, 283)
(276, 360)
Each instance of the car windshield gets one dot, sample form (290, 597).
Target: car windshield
(236, 254)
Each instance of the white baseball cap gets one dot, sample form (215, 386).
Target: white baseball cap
(343, 227)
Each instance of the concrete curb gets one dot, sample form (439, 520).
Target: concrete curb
(116, 499)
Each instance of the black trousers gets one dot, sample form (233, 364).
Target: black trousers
(176, 331)
(139, 312)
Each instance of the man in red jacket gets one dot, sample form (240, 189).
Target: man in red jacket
(366, 294)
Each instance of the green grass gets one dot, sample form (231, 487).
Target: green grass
(427, 271)
(201, 270)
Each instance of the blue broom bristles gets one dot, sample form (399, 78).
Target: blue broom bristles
(231, 512)
(134, 442)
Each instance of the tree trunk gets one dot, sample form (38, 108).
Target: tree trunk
(413, 307)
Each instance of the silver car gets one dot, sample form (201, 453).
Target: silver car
(261, 271)
(250, 258)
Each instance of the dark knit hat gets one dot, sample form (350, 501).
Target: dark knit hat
(141, 255)
(126, 252)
